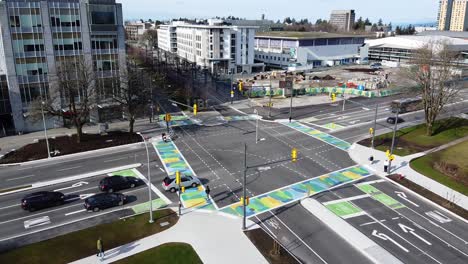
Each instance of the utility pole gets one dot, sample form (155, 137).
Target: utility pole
(256, 126)
(393, 141)
(290, 105)
(269, 104)
(244, 190)
(375, 125)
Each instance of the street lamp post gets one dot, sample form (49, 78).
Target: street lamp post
(290, 105)
(393, 141)
(256, 126)
(375, 125)
(149, 181)
(45, 129)
(269, 103)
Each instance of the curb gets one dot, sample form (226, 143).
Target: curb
(381, 175)
(69, 155)
(74, 178)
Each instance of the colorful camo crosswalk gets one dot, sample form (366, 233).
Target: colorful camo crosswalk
(289, 194)
(329, 139)
(174, 161)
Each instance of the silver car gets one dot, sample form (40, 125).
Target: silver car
(169, 183)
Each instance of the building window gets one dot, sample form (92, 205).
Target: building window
(14, 21)
(102, 14)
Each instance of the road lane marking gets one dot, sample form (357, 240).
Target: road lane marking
(387, 238)
(10, 206)
(410, 230)
(33, 167)
(403, 196)
(153, 188)
(357, 197)
(45, 212)
(70, 168)
(19, 178)
(373, 222)
(439, 217)
(111, 160)
(75, 185)
(76, 212)
(37, 222)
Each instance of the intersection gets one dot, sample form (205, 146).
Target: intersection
(408, 227)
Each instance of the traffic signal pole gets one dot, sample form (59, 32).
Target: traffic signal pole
(393, 141)
(244, 190)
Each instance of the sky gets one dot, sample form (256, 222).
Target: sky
(395, 11)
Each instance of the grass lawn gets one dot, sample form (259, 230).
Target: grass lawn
(413, 139)
(456, 155)
(170, 253)
(81, 244)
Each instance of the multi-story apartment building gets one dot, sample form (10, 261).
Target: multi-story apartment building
(136, 30)
(215, 46)
(38, 35)
(453, 15)
(343, 19)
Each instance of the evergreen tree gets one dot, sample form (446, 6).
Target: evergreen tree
(380, 23)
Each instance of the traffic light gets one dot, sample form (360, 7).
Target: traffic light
(195, 109)
(333, 97)
(177, 178)
(387, 153)
(371, 131)
(247, 201)
(294, 154)
(167, 118)
(241, 85)
(182, 189)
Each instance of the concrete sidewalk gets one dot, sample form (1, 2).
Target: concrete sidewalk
(216, 238)
(10, 143)
(401, 165)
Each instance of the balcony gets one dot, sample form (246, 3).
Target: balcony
(66, 29)
(26, 29)
(30, 54)
(24, 79)
(68, 52)
(104, 51)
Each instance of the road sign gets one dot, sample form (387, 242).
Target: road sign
(286, 84)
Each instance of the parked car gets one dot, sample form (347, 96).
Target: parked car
(116, 183)
(40, 200)
(391, 120)
(104, 200)
(169, 183)
(376, 66)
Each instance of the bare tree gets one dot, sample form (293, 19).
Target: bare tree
(151, 35)
(75, 94)
(434, 68)
(133, 93)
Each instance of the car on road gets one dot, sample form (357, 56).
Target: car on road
(169, 183)
(40, 200)
(391, 120)
(116, 183)
(104, 200)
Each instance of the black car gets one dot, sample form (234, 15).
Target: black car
(104, 200)
(115, 183)
(40, 200)
(391, 120)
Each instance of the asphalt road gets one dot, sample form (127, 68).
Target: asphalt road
(14, 221)
(415, 232)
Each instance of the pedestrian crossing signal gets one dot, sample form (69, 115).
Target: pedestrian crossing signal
(294, 154)
(391, 158)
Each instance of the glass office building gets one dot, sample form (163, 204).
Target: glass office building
(36, 36)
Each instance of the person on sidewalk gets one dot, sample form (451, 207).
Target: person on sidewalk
(386, 164)
(100, 248)
(207, 191)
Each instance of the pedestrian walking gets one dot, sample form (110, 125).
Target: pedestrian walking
(386, 164)
(207, 191)
(290, 119)
(100, 248)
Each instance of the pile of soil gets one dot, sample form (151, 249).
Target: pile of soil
(67, 145)
(265, 244)
(430, 195)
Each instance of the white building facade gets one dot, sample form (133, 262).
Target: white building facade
(217, 47)
(310, 50)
